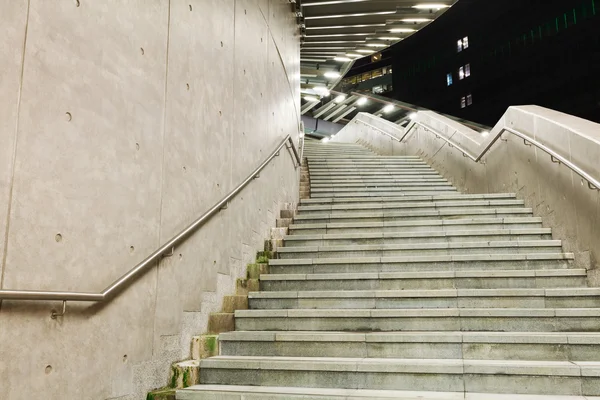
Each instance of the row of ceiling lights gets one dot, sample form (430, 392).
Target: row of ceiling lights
(358, 53)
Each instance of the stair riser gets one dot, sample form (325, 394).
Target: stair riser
(407, 209)
(432, 324)
(434, 239)
(425, 284)
(424, 350)
(413, 267)
(369, 185)
(368, 194)
(417, 252)
(407, 217)
(550, 385)
(377, 181)
(424, 302)
(297, 229)
(444, 197)
(396, 189)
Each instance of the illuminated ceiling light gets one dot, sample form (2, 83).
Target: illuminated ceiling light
(354, 55)
(313, 59)
(344, 26)
(308, 75)
(376, 45)
(311, 99)
(342, 59)
(327, 3)
(362, 101)
(337, 35)
(402, 30)
(388, 109)
(351, 15)
(388, 38)
(340, 98)
(485, 133)
(413, 115)
(325, 140)
(365, 51)
(332, 74)
(431, 6)
(301, 134)
(416, 20)
(322, 90)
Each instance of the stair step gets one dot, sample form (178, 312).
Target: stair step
(418, 226)
(390, 250)
(457, 262)
(420, 298)
(411, 205)
(436, 197)
(469, 279)
(424, 319)
(405, 215)
(445, 375)
(230, 392)
(487, 235)
(535, 346)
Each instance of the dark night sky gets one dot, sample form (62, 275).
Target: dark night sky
(520, 52)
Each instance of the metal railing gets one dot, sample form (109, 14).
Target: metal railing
(593, 183)
(164, 250)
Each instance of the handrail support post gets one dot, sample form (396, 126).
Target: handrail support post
(56, 314)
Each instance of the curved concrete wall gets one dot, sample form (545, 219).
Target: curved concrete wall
(555, 193)
(121, 122)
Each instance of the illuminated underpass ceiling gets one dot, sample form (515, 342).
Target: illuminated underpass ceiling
(335, 33)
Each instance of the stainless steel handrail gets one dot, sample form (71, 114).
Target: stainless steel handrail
(163, 250)
(593, 183)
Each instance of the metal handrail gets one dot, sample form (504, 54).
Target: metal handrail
(593, 183)
(163, 250)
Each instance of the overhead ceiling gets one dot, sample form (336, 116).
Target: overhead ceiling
(337, 32)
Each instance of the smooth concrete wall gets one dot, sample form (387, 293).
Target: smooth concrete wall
(555, 193)
(120, 123)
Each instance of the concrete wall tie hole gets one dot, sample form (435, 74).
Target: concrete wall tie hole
(69, 116)
(220, 113)
(48, 369)
(77, 3)
(181, 256)
(131, 249)
(142, 50)
(125, 358)
(190, 7)
(187, 85)
(245, 12)
(58, 237)
(184, 169)
(222, 44)
(137, 146)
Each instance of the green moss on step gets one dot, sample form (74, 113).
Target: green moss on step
(211, 343)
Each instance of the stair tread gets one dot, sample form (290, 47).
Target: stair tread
(420, 312)
(361, 394)
(427, 274)
(416, 337)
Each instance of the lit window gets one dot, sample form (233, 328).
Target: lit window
(465, 43)
(461, 73)
(449, 79)
(459, 46)
(467, 70)
(463, 102)
(469, 99)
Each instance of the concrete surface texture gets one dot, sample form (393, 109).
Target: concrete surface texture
(121, 122)
(555, 193)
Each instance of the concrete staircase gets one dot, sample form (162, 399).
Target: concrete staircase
(393, 285)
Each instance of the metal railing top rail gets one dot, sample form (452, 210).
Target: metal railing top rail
(593, 183)
(149, 261)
